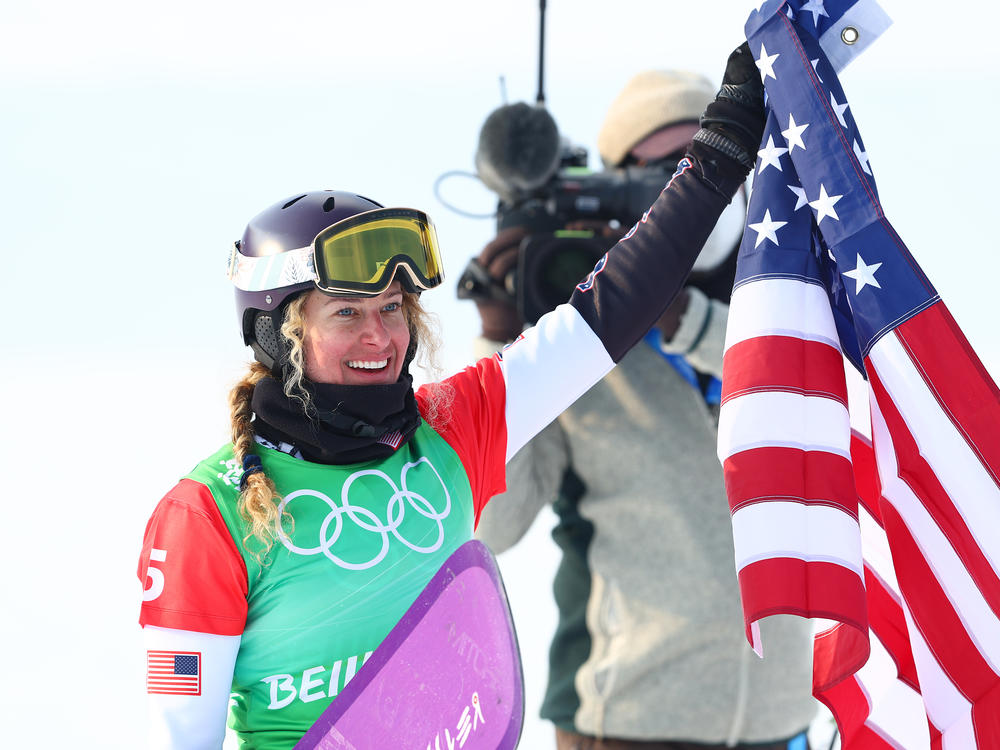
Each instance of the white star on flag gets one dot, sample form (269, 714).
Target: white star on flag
(766, 229)
(824, 205)
(839, 110)
(766, 64)
(770, 155)
(800, 196)
(814, 64)
(864, 275)
(794, 134)
(816, 8)
(862, 157)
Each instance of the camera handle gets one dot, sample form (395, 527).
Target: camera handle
(476, 283)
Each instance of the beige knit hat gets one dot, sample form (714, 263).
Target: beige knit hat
(649, 102)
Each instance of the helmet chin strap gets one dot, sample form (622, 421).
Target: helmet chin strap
(411, 352)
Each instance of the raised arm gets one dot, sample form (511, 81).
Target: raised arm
(574, 346)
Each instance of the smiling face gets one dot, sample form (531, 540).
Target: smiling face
(355, 340)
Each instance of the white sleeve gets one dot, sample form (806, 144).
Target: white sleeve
(546, 369)
(188, 714)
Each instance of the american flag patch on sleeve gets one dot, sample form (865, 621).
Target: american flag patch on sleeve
(173, 672)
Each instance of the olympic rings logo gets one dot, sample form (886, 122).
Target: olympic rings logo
(364, 519)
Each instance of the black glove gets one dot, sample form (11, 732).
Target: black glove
(733, 124)
(498, 311)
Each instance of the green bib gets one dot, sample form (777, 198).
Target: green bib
(361, 543)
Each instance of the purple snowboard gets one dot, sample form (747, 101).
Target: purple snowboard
(448, 676)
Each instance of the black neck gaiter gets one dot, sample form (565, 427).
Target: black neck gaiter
(345, 424)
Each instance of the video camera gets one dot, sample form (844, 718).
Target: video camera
(544, 186)
(552, 259)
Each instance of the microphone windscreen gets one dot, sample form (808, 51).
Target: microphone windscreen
(519, 150)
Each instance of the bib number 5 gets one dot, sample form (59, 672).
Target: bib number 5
(154, 576)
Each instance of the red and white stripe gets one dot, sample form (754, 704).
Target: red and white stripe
(935, 418)
(784, 442)
(916, 564)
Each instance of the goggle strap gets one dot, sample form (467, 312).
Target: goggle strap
(259, 274)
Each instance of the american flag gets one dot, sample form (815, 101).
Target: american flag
(392, 439)
(173, 672)
(895, 539)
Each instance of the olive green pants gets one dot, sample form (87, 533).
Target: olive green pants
(572, 741)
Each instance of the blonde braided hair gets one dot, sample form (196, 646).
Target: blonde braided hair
(259, 498)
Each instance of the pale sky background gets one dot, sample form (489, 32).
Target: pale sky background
(136, 142)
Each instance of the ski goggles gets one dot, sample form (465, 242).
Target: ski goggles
(360, 255)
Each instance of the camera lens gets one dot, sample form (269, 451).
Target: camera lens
(551, 266)
(567, 264)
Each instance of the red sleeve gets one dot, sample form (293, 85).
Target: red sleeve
(476, 427)
(193, 575)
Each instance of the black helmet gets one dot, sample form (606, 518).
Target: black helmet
(334, 241)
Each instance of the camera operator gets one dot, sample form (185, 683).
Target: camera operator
(649, 651)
